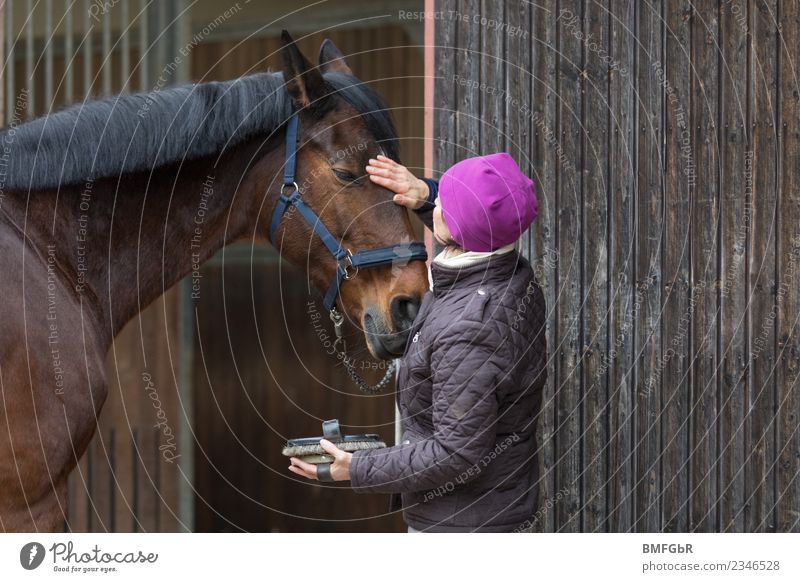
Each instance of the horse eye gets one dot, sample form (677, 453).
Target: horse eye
(346, 176)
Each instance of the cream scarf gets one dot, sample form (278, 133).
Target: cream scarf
(447, 258)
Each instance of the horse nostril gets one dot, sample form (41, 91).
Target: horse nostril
(404, 310)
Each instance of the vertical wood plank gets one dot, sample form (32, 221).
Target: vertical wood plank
(69, 56)
(9, 58)
(518, 73)
(569, 312)
(623, 305)
(143, 66)
(759, 512)
(787, 368)
(649, 209)
(446, 92)
(702, 171)
(595, 267)
(86, 50)
(736, 216)
(48, 38)
(468, 67)
(29, 54)
(546, 149)
(676, 315)
(492, 110)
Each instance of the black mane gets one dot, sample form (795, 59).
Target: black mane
(133, 132)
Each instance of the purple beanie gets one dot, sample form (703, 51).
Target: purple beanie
(487, 202)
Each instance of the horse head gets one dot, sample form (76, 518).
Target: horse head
(342, 124)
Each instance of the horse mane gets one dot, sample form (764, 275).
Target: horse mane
(124, 133)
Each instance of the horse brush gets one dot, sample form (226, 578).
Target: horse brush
(309, 450)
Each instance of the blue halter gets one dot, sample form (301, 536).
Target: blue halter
(347, 263)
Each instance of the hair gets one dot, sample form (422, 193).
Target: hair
(142, 131)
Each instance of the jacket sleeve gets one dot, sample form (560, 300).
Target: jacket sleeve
(464, 418)
(425, 212)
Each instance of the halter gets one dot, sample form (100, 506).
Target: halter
(347, 262)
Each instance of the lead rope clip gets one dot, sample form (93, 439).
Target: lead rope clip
(338, 323)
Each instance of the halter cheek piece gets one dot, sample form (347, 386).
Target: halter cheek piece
(347, 262)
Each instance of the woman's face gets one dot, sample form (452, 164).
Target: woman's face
(440, 231)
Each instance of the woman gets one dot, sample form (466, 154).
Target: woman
(470, 385)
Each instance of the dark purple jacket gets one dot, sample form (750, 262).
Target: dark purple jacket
(469, 394)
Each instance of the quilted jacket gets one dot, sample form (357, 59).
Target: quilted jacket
(469, 394)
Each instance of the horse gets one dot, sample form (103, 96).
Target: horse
(107, 203)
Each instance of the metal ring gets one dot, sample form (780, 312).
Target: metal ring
(292, 185)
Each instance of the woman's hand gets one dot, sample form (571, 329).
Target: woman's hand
(340, 468)
(409, 191)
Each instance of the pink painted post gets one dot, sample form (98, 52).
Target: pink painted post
(430, 39)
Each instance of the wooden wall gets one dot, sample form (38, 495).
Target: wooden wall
(663, 139)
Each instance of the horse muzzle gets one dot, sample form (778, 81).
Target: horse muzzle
(388, 341)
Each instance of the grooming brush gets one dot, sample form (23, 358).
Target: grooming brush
(309, 450)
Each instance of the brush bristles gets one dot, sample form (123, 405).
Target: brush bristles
(348, 446)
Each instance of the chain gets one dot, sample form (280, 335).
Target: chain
(338, 319)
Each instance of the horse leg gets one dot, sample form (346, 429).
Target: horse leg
(41, 439)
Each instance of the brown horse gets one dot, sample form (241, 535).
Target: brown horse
(106, 204)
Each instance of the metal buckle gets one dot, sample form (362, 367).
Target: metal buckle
(346, 263)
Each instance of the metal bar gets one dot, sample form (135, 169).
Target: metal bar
(69, 74)
(125, 46)
(10, 68)
(187, 318)
(107, 56)
(29, 59)
(186, 332)
(162, 19)
(48, 54)
(144, 73)
(87, 50)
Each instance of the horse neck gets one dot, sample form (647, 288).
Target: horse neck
(145, 232)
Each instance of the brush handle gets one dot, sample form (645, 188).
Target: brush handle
(331, 430)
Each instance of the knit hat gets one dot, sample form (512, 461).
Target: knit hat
(487, 202)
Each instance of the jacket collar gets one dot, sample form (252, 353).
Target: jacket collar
(496, 268)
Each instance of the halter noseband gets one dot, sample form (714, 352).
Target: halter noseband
(347, 263)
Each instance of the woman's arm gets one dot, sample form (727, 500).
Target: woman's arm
(417, 194)
(464, 418)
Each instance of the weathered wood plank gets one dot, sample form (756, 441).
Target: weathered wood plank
(518, 112)
(736, 214)
(623, 305)
(787, 366)
(447, 58)
(468, 77)
(595, 265)
(672, 368)
(759, 512)
(546, 150)
(569, 312)
(493, 74)
(649, 193)
(703, 416)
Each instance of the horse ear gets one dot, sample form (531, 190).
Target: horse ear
(331, 59)
(304, 82)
